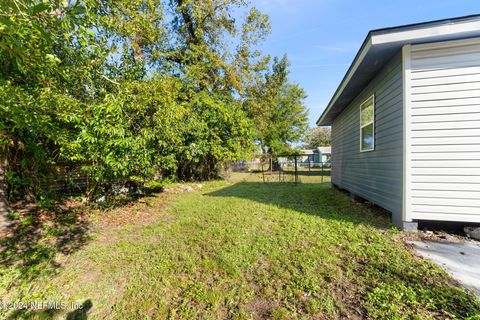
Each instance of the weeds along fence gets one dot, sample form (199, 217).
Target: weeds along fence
(294, 168)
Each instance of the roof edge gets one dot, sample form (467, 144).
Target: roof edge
(367, 44)
(356, 61)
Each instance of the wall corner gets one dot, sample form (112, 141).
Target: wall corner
(406, 78)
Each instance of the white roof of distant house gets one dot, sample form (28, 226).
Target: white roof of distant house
(307, 151)
(319, 149)
(325, 149)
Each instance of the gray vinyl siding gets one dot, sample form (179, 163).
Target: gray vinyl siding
(375, 175)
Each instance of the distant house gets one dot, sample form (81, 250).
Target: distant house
(325, 153)
(316, 156)
(406, 122)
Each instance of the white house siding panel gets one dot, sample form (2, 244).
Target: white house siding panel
(443, 144)
(374, 175)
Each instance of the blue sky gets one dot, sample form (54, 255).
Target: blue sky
(321, 37)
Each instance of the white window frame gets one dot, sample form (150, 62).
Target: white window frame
(372, 97)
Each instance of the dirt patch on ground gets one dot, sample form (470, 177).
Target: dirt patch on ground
(347, 293)
(76, 213)
(140, 212)
(35, 235)
(437, 236)
(144, 210)
(260, 308)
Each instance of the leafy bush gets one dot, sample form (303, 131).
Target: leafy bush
(124, 93)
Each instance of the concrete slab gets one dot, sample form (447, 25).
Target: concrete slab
(460, 259)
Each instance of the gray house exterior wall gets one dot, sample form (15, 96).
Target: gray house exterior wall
(377, 175)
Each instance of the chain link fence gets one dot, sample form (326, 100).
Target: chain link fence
(298, 168)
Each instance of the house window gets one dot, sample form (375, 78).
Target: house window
(367, 125)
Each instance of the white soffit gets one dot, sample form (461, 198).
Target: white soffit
(436, 33)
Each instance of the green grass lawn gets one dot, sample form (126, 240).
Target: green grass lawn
(235, 250)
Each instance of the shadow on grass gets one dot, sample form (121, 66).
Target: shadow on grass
(35, 236)
(309, 198)
(82, 313)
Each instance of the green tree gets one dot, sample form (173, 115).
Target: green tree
(122, 89)
(49, 60)
(318, 137)
(130, 134)
(216, 130)
(277, 109)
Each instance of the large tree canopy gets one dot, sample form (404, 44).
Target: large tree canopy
(121, 89)
(318, 137)
(276, 107)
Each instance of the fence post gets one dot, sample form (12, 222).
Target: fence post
(263, 172)
(271, 166)
(322, 171)
(279, 171)
(296, 170)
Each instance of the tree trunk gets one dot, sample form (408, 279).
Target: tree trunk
(3, 195)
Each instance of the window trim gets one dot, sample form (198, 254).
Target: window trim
(372, 97)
